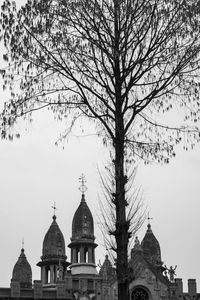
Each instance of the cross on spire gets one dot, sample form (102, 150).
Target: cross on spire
(83, 188)
(54, 208)
(149, 218)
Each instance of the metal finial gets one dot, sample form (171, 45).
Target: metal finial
(54, 208)
(23, 243)
(149, 218)
(83, 188)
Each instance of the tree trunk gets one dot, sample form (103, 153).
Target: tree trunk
(121, 233)
(122, 227)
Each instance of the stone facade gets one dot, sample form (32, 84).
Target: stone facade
(78, 279)
(149, 279)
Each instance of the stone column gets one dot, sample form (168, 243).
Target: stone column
(77, 255)
(43, 275)
(68, 281)
(60, 289)
(179, 288)
(15, 288)
(93, 255)
(83, 285)
(192, 288)
(51, 274)
(74, 257)
(37, 289)
(90, 255)
(82, 258)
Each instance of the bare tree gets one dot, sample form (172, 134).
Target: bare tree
(135, 213)
(120, 63)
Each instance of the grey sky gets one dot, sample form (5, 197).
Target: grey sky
(34, 173)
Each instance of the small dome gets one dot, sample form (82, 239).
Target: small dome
(151, 247)
(22, 271)
(54, 243)
(82, 224)
(107, 272)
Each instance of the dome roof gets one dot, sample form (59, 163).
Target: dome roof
(22, 271)
(151, 247)
(107, 272)
(82, 224)
(54, 243)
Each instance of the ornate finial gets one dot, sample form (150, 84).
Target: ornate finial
(23, 243)
(54, 208)
(137, 245)
(83, 187)
(149, 219)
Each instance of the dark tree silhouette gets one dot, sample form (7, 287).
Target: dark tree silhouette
(120, 63)
(136, 212)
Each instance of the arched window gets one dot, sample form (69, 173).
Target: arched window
(139, 294)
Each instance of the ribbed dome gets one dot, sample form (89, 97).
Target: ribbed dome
(82, 224)
(151, 247)
(54, 243)
(22, 271)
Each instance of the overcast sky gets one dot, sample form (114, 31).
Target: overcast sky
(34, 173)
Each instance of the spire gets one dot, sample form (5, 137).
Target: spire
(23, 243)
(54, 210)
(149, 218)
(22, 271)
(83, 188)
(149, 228)
(82, 241)
(53, 254)
(149, 225)
(53, 243)
(137, 245)
(151, 247)
(107, 272)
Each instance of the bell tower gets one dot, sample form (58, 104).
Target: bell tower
(82, 241)
(53, 262)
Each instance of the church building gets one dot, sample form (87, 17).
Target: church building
(79, 279)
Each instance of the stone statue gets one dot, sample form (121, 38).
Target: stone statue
(172, 273)
(60, 273)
